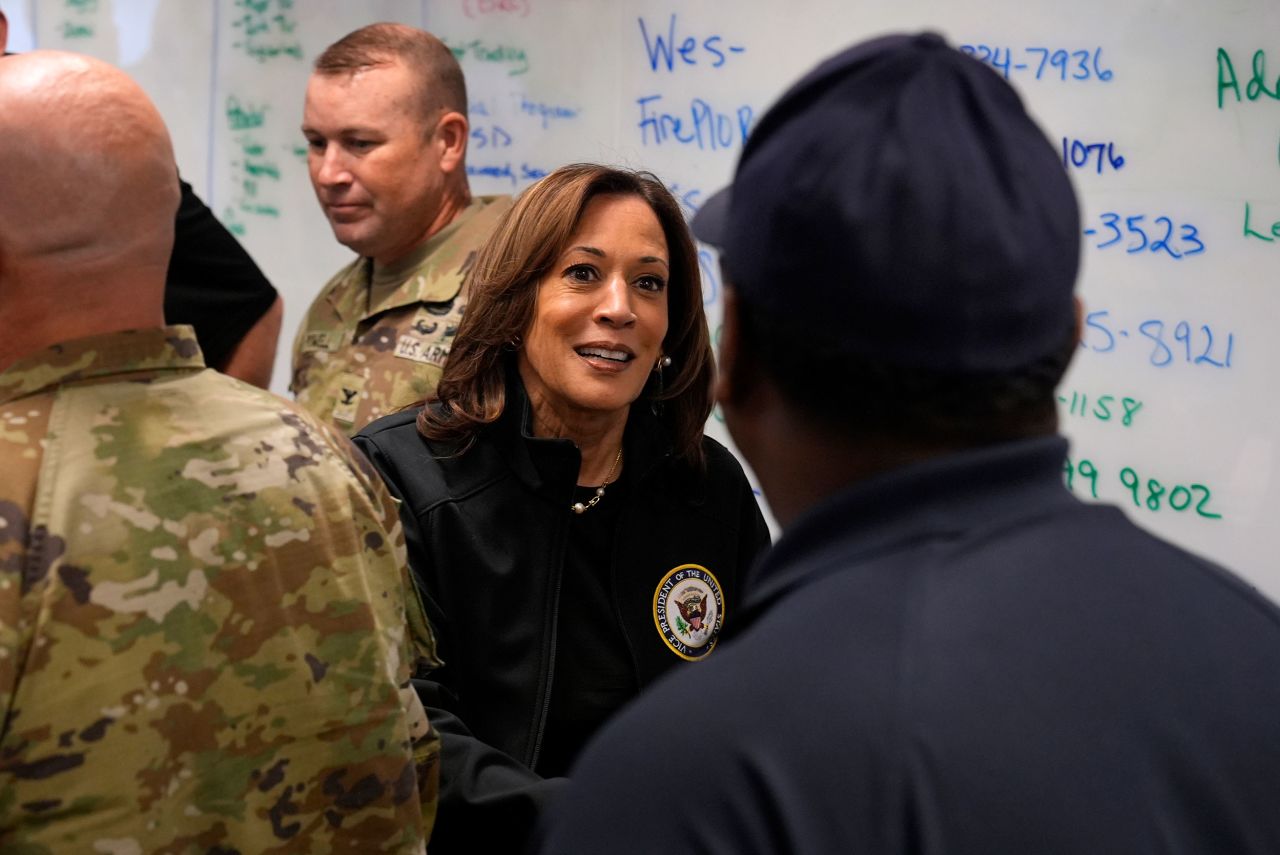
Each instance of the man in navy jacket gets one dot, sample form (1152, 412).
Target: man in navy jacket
(945, 652)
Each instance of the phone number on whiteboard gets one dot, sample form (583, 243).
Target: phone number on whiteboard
(1180, 343)
(1043, 63)
(1151, 494)
(1166, 237)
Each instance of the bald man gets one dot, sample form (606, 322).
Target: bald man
(204, 633)
(214, 285)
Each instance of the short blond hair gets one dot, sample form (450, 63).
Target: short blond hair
(438, 74)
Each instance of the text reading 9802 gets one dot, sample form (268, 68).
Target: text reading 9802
(1152, 495)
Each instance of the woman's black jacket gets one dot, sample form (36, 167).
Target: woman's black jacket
(485, 532)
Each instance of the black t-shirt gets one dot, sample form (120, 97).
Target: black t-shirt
(594, 675)
(213, 283)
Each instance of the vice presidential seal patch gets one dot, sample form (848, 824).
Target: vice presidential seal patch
(688, 609)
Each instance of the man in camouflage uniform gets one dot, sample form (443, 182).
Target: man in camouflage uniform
(386, 127)
(205, 636)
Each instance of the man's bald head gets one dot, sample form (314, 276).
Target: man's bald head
(87, 169)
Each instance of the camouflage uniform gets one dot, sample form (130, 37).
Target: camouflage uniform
(376, 338)
(205, 644)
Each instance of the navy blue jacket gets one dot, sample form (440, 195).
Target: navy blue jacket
(958, 657)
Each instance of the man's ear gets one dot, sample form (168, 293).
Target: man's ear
(1079, 317)
(736, 376)
(450, 141)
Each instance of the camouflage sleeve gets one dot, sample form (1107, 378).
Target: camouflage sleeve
(12, 554)
(384, 534)
(22, 424)
(421, 634)
(227, 591)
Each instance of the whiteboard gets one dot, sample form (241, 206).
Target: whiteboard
(1167, 113)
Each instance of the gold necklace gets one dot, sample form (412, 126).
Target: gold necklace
(579, 507)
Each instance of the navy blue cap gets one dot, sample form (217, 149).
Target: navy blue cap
(899, 202)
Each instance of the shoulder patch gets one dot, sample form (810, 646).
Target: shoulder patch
(688, 610)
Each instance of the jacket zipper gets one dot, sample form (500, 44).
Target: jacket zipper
(545, 702)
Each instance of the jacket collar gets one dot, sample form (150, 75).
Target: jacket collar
(404, 282)
(549, 464)
(947, 495)
(145, 352)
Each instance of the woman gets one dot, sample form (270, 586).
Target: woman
(571, 531)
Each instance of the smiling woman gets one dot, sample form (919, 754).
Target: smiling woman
(599, 322)
(545, 238)
(558, 493)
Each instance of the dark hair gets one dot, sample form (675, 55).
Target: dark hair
(869, 397)
(502, 293)
(441, 85)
